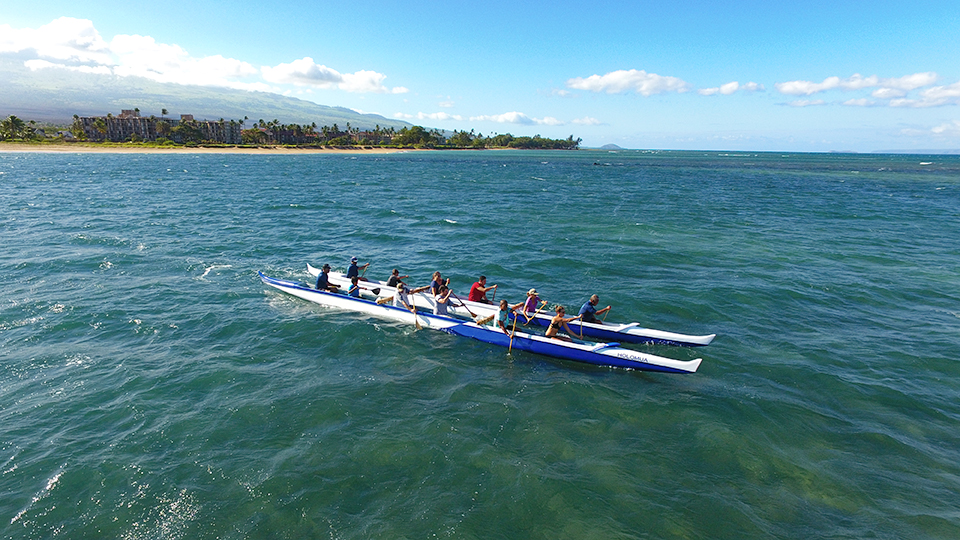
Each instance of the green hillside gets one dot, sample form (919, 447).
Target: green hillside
(55, 95)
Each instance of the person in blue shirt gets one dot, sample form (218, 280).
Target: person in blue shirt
(589, 310)
(354, 289)
(323, 280)
(503, 316)
(353, 270)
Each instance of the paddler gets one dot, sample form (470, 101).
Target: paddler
(353, 271)
(478, 291)
(558, 322)
(503, 316)
(323, 280)
(589, 311)
(395, 278)
(401, 299)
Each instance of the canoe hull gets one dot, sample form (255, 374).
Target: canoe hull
(605, 354)
(596, 354)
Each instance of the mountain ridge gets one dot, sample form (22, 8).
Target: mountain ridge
(55, 95)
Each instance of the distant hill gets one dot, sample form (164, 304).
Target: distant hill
(610, 147)
(55, 95)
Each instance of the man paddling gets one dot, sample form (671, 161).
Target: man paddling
(402, 298)
(395, 278)
(589, 310)
(478, 291)
(353, 271)
(323, 280)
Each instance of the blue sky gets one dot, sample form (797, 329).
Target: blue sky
(738, 75)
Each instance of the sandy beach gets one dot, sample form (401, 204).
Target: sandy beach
(137, 149)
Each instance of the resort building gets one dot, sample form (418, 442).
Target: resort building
(129, 126)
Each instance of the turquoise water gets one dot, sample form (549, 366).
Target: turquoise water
(153, 387)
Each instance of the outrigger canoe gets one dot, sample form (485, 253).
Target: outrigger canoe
(601, 354)
(624, 333)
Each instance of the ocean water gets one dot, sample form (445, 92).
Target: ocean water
(152, 387)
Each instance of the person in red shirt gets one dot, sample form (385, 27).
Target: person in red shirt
(478, 291)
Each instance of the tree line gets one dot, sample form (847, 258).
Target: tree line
(262, 133)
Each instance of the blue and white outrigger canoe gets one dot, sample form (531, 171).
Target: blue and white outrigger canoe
(624, 333)
(602, 354)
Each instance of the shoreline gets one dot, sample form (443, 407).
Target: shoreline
(78, 148)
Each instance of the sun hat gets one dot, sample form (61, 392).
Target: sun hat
(353, 259)
(326, 267)
(531, 292)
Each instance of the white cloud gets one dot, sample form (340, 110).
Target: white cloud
(438, 116)
(949, 128)
(937, 96)
(306, 72)
(806, 103)
(861, 102)
(942, 95)
(888, 93)
(142, 56)
(368, 82)
(893, 87)
(36, 65)
(587, 121)
(641, 82)
(911, 82)
(75, 44)
(801, 88)
(65, 39)
(730, 88)
(517, 118)
(303, 72)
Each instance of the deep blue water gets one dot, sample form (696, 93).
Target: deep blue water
(152, 387)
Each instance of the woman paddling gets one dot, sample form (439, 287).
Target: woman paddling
(557, 322)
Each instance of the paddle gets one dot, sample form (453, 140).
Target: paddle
(472, 314)
(414, 310)
(382, 301)
(535, 313)
(605, 313)
(510, 349)
(485, 320)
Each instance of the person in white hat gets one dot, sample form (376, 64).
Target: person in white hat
(533, 301)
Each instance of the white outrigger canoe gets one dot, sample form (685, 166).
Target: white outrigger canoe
(624, 333)
(602, 354)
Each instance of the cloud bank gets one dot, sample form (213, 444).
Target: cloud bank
(76, 45)
(892, 92)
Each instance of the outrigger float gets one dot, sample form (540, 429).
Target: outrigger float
(601, 354)
(623, 333)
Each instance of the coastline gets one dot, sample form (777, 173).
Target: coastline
(76, 148)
